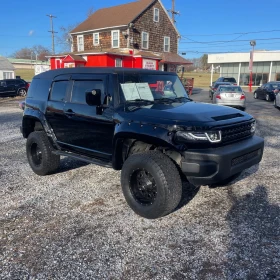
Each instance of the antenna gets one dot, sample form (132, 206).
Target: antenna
(173, 12)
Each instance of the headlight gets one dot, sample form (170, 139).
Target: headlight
(253, 127)
(195, 136)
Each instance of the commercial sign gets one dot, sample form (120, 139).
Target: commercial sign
(149, 64)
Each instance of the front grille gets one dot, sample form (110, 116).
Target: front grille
(236, 132)
(245, 157)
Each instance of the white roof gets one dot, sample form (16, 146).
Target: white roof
(259, 56)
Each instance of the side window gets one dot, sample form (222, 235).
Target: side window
(59, 90)
(80, 88)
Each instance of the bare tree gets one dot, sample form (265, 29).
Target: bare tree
(38, 51)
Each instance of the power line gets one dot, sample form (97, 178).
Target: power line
(236, 33)
(229, 41)
(52, 31)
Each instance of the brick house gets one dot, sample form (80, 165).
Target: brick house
(135, 35)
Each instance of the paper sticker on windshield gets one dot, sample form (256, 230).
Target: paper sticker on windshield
(134, 91)
(145, 91)
(130, 91)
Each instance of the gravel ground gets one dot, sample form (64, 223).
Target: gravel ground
(76, 224)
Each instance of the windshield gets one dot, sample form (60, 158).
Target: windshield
(275, 86)
(149, 87)
(232, 80)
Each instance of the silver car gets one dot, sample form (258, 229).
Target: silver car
(277, 100)
(230, 95)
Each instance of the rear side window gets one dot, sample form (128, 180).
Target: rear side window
(59, 90)
(39, 89)
(80, 88)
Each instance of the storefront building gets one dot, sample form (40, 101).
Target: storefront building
(266, 66)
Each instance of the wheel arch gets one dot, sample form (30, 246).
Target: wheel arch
(126, 143)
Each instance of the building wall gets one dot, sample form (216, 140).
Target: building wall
(143, 23)
(6, 74)
(157, 30)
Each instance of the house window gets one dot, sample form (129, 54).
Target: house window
(145, 40)
(156, 15)
(115, 35)
(166, 47)
(80, 39)
(96, 39)
(8, 75)
(118, 62)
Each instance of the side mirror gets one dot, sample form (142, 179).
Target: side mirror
(93, 97)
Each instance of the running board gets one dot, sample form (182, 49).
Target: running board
(84, 158)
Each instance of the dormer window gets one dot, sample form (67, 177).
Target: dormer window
(145, 40)
(80, 40)
(96, 39)
(115, 35)
(156, 15)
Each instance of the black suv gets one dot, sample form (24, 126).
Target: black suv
(13, 87)
(141, 122)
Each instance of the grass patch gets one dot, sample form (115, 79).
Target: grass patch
(26, 74)
(201, 80)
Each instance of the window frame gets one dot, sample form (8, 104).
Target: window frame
(156, 9)
(112, 38)
(142, 40)
(78, 44)
(66, 91)
(166, 37)
(93, 38)
(118, 59)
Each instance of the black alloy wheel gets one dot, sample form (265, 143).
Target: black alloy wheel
(40, 154)
(36, 154)
(143, 187)
(151, 184)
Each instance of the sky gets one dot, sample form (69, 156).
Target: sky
(205, 26)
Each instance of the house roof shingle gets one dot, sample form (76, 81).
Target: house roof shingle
(113, 16)
(5, 64)
(174, 58)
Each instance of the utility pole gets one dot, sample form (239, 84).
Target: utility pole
(173, 12)
(52, 31)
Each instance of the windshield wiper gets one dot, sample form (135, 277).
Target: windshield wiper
(183, 98)
(165, 99)
(140, 100)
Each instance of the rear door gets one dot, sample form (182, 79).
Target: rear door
(86, 130)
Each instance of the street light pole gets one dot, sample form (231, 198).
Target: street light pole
(252, 43)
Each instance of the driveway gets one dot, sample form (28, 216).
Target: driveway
(76, 224)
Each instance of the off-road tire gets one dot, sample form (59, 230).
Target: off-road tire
(165, 176)
(39, 154)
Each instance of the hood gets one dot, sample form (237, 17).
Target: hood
(189, 113)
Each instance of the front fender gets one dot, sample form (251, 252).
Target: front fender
(148, 133)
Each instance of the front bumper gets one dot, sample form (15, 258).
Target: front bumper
(210, 166)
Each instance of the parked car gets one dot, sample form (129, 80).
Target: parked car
(230, 95)
(215, 86)
(277, 100)
(13, 87)
(141, 122)
(227, 79)
(267, 91)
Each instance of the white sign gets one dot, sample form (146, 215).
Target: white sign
(134, 91)
(149, 64)
(41, 68)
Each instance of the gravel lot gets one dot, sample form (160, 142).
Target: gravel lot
(76, 224)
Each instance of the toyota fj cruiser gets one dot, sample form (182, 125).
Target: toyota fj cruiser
(141, 122)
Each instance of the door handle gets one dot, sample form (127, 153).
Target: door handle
(69, 113)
